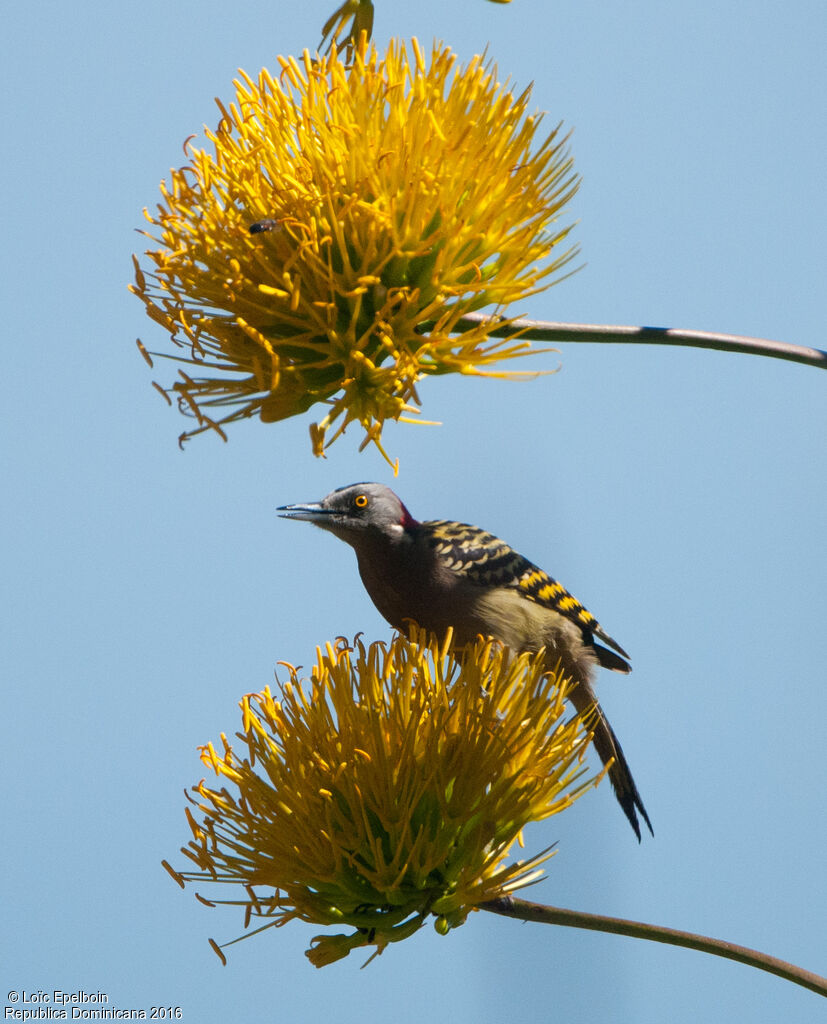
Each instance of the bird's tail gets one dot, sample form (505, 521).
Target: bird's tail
(608, 749)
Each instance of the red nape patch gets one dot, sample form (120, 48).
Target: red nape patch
(407, 521)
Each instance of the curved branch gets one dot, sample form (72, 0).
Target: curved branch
(542, 330)
(524, 910)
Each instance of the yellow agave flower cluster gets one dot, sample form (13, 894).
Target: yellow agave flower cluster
(388, 787)
(347, 218)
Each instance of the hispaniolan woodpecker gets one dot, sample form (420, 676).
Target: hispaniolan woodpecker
(443, 574)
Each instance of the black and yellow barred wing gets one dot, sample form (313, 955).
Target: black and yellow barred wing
(489, 561)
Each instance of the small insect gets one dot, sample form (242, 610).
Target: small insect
(264, 225)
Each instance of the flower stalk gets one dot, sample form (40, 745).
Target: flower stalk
(524, 910)
(550, 331)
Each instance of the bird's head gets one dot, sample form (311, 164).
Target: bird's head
(355, 512)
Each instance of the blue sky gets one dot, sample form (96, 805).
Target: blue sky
(679, 494)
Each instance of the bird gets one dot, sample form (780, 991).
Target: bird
(442, 574)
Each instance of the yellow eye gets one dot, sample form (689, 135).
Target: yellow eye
(361, 501)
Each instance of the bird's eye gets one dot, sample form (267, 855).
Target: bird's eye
(361, 501)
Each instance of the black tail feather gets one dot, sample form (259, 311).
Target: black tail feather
(624, 787)
(609, 749)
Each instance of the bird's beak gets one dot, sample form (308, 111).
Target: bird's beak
(314, 512)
